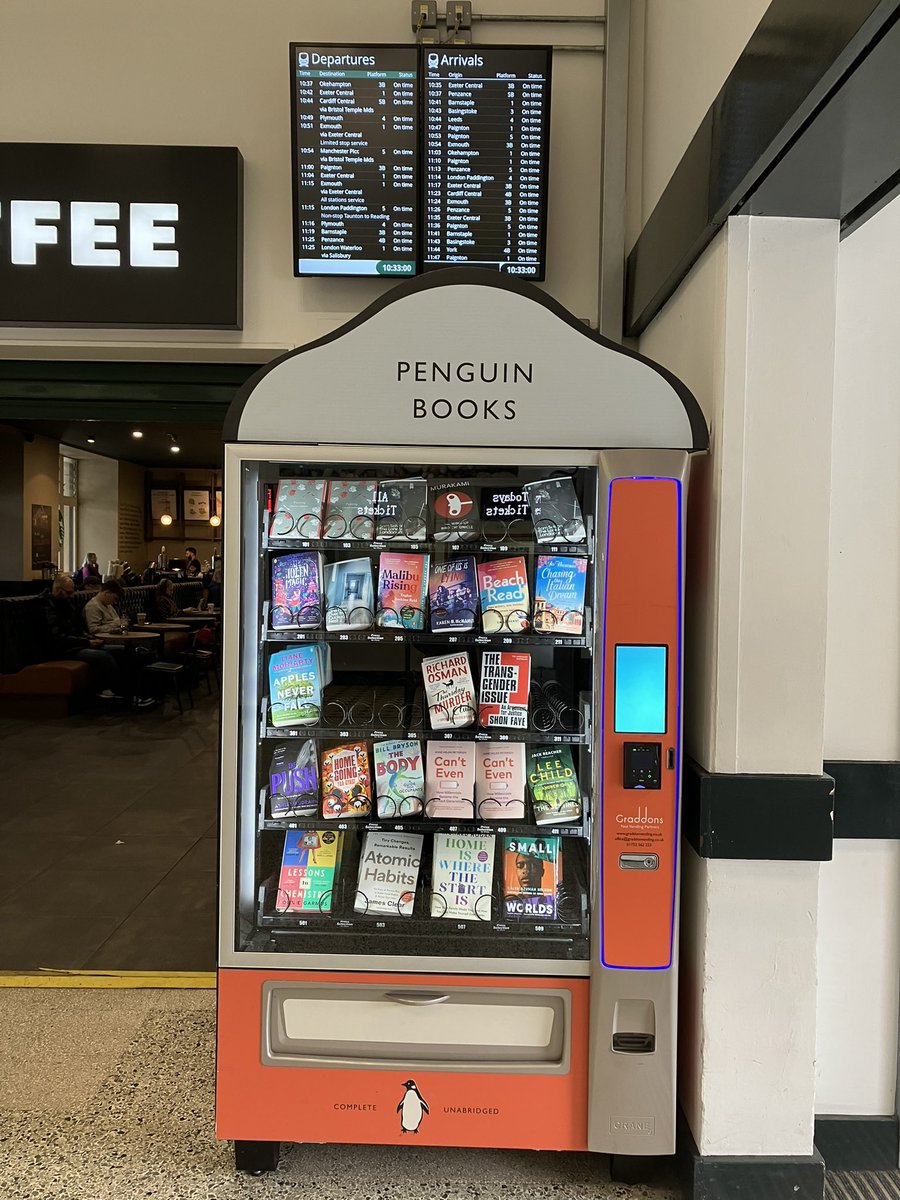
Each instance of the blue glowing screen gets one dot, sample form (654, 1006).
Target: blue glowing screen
(640, 689)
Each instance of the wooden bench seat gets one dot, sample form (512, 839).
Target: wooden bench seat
(43, 689)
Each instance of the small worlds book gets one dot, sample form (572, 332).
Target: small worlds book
(531, 875)
(450, 781)
(500, 781)
(350, 509)
(309, 869)
(454, 511)
(453, 595)
(503, 584)
(555, 795)
(294, 780)
(349, 598)
(295, 688)
(505, 684)
(462, 873)
(449, 691)
(297, 590)
(555, 510)
(559, 586)
(402, 588)
(399, 778)
(346, 781)
(298, 509)
(401, 507)
(388, 871)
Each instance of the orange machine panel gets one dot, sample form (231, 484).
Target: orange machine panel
(640, 767)
(262, 1102)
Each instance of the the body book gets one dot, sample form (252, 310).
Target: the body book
(462, 873)
(531, 876)
(500, 781)
(453, 595)
(309, 865)
(295, 685)
(450, 781)
(555, 795)
(297, 590)
(399, 778)
(388, 872)
(505, 685)
(559, 587)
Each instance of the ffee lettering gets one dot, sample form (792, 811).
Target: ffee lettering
(93, 234)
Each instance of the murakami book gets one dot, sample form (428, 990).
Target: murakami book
(454, 511)
(350, 510)
(505, 684)
(503, 584)
(400, 510)
(462, 873)
(388, 871)
(555, 510)
(297, 590)
(500, 781)
(298, 509)
(450, 780)
(449, 691)
(309, 867)
(399, 778)
(531, 875)
(294, 780)
(559, 586)
(349, 598)
(453, 595)
(346, 781)
(295, 689)
(555, 796)
(402, 588)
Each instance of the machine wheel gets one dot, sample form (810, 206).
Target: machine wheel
(256, 1158)
(632, 1168)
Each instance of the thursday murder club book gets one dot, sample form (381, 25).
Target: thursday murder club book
(449, 690)
(505, 684)
(462, 873)
(450, 781)
(309, 866)
(500, 781)
(388, 871)
(531, 876)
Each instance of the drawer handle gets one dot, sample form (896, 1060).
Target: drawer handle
(416, 998)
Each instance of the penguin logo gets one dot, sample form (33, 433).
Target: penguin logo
(411, 1108)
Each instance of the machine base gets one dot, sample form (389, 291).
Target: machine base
(256, 1158)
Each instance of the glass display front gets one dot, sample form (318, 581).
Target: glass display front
(417, 710)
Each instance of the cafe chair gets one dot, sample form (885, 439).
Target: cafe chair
(202, 658)
(171, 673)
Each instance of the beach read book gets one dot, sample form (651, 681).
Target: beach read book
(503, 584)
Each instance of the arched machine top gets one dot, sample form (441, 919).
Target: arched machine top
(467, 357)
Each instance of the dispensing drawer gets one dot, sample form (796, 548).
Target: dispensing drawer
(451, 1029)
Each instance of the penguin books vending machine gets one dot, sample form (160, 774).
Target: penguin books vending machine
(451, 733)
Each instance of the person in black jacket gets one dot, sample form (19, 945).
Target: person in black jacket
(66, 638)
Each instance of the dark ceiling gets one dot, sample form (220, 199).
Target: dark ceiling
(201, 445)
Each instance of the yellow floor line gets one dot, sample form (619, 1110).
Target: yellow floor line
(48, 977)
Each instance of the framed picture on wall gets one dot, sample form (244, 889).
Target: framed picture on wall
(40, 535)
(196, 504)
(218, 495)
(163, 502)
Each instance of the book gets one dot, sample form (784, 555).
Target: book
(505, 684)
(297, 590)
(450, 780)
(531, 875)
(505, 512)
(559, 587)
(399, 778)
(298, 509)
(294, 780)
(453, 595)
(295, 690)
(449, 690)
(400, 510)
(555, 796)
(388, 872)
(309, 867)
(500, 781)
(349, 599)
(555, 510)
(346, 781)
(402, 588)
(454, 511)
(462, 875)
(503, 587)
(350, 509)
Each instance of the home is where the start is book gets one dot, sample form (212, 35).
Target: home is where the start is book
(462, 872)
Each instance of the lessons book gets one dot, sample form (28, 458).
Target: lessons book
(346, 781)
(295, 689)
(309, 866)
(462, 873)
(388, 872)
(531, 876)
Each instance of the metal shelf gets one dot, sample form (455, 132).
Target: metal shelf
(579, 549)
(576, 829)
(392, 636)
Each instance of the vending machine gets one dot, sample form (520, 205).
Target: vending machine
(451, 733)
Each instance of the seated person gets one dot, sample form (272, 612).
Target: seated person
(214, 593)
(65, 638)
(100, 614)
(192, 564)
(92, 584)
(90, 566)
(163, 603)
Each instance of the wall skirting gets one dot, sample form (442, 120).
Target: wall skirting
(858, 1143)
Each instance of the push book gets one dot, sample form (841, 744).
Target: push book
(401, 510)
(453, 595)
(449, 690)
(450, 781)
(388, 872)
(555, 796)
(295, 688)
(559, 587)
(531, 876)
(298, 509)
(399, 778)
(500, 781)
(503, 585)
(462, 874)
(350, 510)
(346, 781)
(505, 684)
(555, 510)
(402, 588)
(309, 867)
(349, 598)
(297, 590)
(294, 780)
(454, 511)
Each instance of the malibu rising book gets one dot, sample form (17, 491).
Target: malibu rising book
(500, 781)
(462, 873)
(402, 588)
(295, 692)
(505, 684)
(297, 590)
(559, 586)
(503, 584)
(399, 778)
(450, 781)
(388, 872)
(449, 691)
(453, 595)
(531, 875)
(309, 867)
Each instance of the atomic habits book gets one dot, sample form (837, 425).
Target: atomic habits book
(453, 595)
(350, 509)
(294, 780)
(500, 781)
(462, 873)
(454, 511)
(555, 510)
(400, 510)
(503, 584)
(295, 693)
(309, 866)
(449, 691)
(298, 509)
(505, 684)
(399, 778)
(555, 796)
(388, 871)
(346, 781)
(402, 588)
(450, 780)
(297, 590)
(531, 875)
(559, 586)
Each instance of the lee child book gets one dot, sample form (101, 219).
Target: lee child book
(297, 590)
(399, 778)
(350, 509)
(449, 691)
(462, 872)
(294, 780)
(400, 510)
(505, 684)
(531, 875)
(349, 598)
(309, 868)
(388, 872)
(453, 595)
(295, 694)
(402, 588)
(559, 587)
(450, 781)
(555, 510)
(500, 781)
(555, 796)
(346, 781)
(298, 509)
(503, 585)
(454, 511)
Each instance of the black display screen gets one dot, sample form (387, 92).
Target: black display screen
(355, 155)
(486, 114)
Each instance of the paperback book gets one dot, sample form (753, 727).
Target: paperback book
(453, 595)
(449, 690)
(531, 876)
(350, 509)
(500, 781)
(346, 781)
(503, 584)
(555, 796)
(294, 780)
(388, 872)
(402, 588)
(505, 684)
(462, 873)
(559, 587)
(349, 598)
(399, 778)
(555, 510)
(298, 509)
(505, 512)
(401, 507)
(309, 867)
(454, 511)
(297, 590)
(295, 687)
(450, 781)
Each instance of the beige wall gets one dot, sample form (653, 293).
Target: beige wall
(40, 486)
(183, 533)
(132, 541)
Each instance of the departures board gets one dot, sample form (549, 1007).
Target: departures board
(413, 158)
